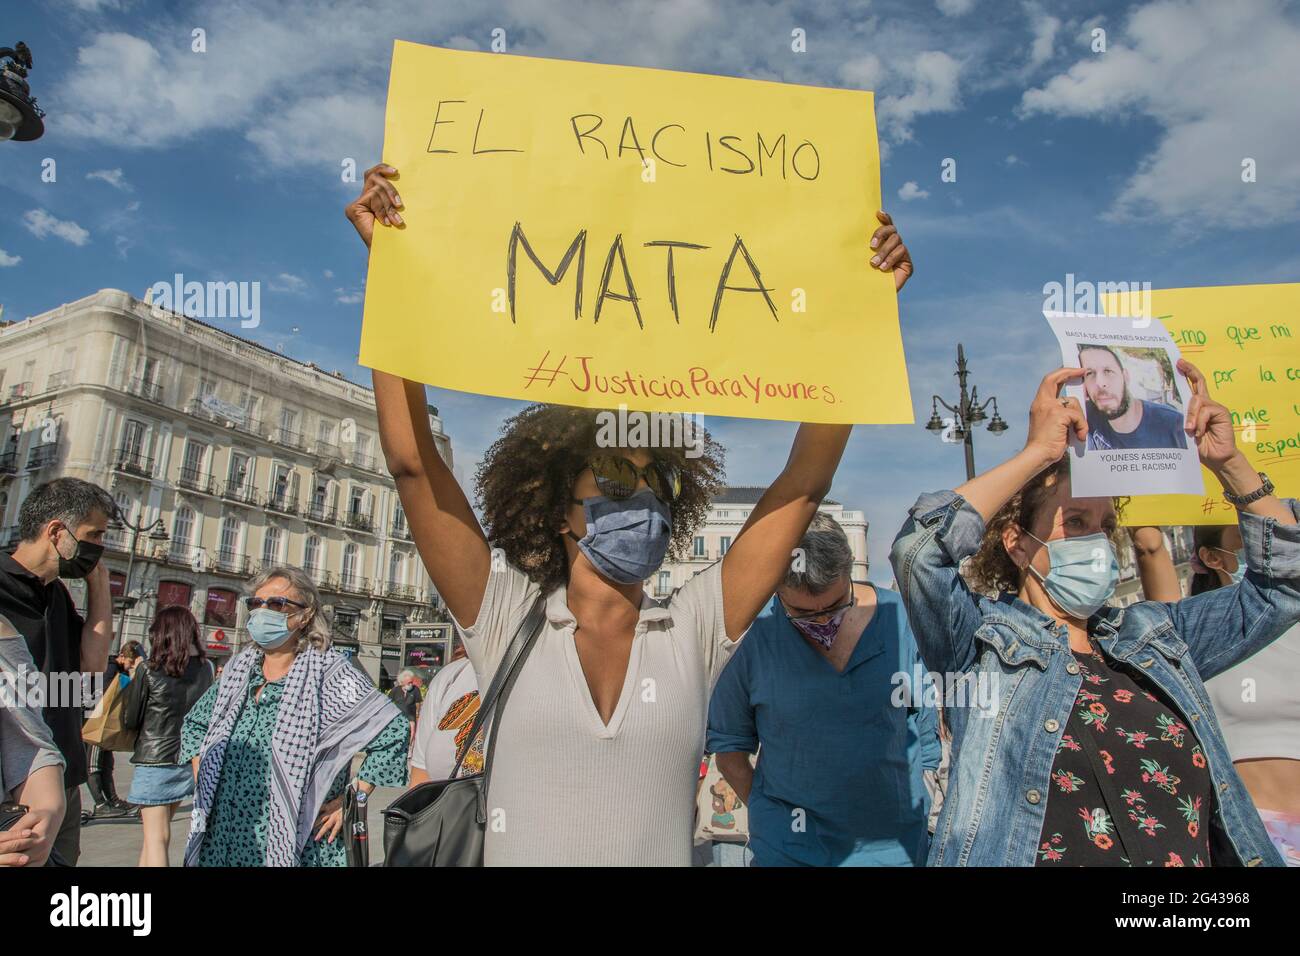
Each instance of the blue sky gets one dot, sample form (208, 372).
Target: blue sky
(1115, 166)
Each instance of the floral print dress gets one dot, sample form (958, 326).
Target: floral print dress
(237, 824)
(1156, 766)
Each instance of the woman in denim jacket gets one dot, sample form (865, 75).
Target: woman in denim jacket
(1056, 660)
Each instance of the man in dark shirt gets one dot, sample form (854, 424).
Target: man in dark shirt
(61, 527)
(1115, 418)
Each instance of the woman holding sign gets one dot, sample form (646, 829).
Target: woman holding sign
(1103, 749)
(598, 751)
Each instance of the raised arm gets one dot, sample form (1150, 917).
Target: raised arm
(1155, 565)
(760, 557)
(451, 544)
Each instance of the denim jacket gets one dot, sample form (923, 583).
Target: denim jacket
(1002, 753)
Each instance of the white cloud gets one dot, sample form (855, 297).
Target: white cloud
(912, 191)
(954, 8)
(7, 260)
(286, 282)
(301, 84)
(933, 81)
(328, 273)
(344, 297)
(1213, 75)
(113, 177)
(1045, 29)
(41, 224)
(1012, 160)
(123, 244)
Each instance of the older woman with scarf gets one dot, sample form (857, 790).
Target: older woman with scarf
(272, 742)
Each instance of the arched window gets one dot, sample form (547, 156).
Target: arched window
(182, 532)
(271, 547)
(350, 565)
(396, 569)
(228, 551)
(311, 562)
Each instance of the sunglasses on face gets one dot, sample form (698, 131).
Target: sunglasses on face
(819, 617)
(279, 604)
(617, 477)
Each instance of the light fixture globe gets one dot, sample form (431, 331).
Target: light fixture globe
(20, 117)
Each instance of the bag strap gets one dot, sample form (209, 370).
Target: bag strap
(1125, 828)
(494, 699)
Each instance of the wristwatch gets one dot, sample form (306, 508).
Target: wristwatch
(1240, 501)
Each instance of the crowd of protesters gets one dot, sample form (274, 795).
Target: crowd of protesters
(1108, 737)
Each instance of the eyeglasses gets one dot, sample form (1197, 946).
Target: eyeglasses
(276, 603)
(617, 477)
(817, 616)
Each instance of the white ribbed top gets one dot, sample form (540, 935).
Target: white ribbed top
(1258, 702)
(568, 790)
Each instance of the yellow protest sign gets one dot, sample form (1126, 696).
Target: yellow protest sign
(1246, 340)
(597, 235)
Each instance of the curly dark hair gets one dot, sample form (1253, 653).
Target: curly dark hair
(525, 485)
(991, 569)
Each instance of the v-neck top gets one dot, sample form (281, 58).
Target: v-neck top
(843, 752)
(569, 790)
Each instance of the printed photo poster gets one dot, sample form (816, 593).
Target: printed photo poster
(599, 236)
(1135, 401)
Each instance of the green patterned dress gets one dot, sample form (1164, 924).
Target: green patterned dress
(236, 834)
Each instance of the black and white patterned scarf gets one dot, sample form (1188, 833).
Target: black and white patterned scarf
(328, 712)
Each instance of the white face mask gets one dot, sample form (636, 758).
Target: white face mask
(1083, 574)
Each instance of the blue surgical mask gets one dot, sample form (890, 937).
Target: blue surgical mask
(1240, 555)
(269, 629)
(1075, 583)
(626, 538)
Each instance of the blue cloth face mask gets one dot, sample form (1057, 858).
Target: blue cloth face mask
(269, 629)
(626, 538)
(1241, 564)
(1075, 583)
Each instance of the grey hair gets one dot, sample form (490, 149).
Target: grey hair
(405, 674)
(318, 631)
(824, 557)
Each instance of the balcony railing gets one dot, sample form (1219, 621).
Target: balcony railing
(8, 463)
(282, 503)
(20, 390)
(401, 592)
(41, 455)
(132, 462)
(10, 537)
(325, 449)
(195, 480)
(58, 380)
(196, 408)
(290, 439)
(401, 530)
(179, 554)
(145, 389)
(354, 584)
(230, 562)
(325, 514)
(359, 521)
(363, 461)
(241, 491)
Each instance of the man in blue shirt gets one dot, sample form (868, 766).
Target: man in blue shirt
(1115, 418)
(839, 779)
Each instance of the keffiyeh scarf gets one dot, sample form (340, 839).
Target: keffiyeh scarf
(328, 712)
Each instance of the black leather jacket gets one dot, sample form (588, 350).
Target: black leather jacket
(156, 705)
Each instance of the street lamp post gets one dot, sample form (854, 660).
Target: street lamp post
(967, 413)
(157, 533)
(20, 117)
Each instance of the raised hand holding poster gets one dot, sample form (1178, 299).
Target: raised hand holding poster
(598, 235)
(1135, 401)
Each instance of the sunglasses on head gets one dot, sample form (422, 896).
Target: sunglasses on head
(276, 603)
(617, 477)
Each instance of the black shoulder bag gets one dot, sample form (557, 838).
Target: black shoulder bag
(442, 822)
